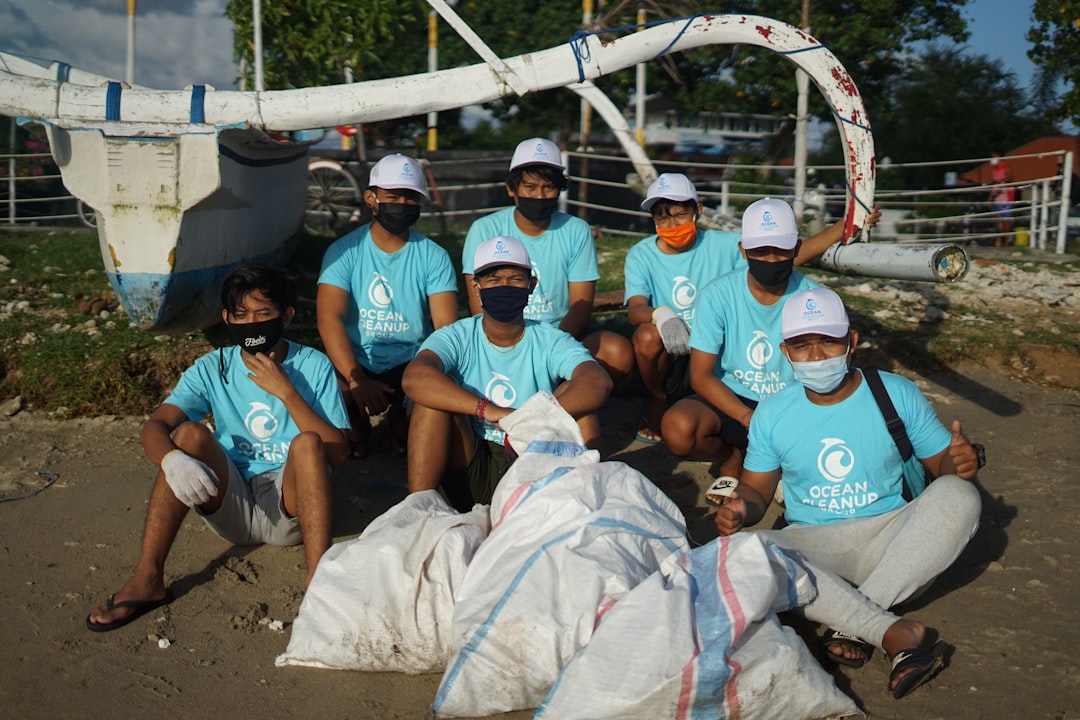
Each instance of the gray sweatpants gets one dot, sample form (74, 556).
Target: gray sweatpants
(893, 557)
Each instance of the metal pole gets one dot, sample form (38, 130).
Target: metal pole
(1066, 189)
(11, 174)
(1044, 213)
(802, 84)
(130, 73)
(939, 262)
(432, 66)
(256, 16)
(586, 109)
(640, 88)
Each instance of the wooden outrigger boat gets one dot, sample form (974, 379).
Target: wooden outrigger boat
(189, 184)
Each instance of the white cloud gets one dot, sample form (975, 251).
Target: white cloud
(176, 45)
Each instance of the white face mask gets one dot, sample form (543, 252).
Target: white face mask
(821, 376)
(994, 161)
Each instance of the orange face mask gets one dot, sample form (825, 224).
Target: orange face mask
(679, 236)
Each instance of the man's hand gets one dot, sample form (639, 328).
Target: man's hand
(674, 332)
(962, 454)
(371, 396)
(730, 516)
(192, 481)
(266, 372)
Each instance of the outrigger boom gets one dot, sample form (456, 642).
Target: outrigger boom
(187, 184)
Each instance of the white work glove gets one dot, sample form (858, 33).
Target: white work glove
(192, 481)
(674, 332)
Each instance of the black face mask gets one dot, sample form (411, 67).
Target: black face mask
(537, 210)
(771, 274)
(257, 337)
(397, 217)
(505, 302)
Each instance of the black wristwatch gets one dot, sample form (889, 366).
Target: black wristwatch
(980, 453)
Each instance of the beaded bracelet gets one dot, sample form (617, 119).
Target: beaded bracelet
(481, 407)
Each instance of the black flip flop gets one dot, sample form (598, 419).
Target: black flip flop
(927, 663)
(835, 637)
(138, 607)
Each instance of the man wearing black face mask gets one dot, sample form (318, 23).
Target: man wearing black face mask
(735, 358)
(383, 288)
(471, 374)
(562, 250)
(262, 474)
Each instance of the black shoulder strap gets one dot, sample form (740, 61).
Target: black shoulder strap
(888, 411)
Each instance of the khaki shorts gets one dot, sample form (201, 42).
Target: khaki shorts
(252, 512)
(475, 483)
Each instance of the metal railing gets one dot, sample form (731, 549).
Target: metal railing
(33, 193)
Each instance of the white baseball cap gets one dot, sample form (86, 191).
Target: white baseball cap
(817, 311)
(398, 172)
(537, 151)
(769, 223)
(669, 186)
(501, 250)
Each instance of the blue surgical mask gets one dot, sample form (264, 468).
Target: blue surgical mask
(821, 376)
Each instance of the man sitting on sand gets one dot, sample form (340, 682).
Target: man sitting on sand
(262, 475)
(474, 372)
(843, 474)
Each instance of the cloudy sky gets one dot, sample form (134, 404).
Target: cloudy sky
(177, 42)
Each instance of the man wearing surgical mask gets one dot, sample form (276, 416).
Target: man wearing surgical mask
(261, 473)
(383, 288)
(474, 372)
(843, 474)
(562, 250)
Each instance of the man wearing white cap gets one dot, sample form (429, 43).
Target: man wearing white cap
(734, 355)
(663, 276)
(383, 288)
(843, 474)
(562, 250)
(474, 372)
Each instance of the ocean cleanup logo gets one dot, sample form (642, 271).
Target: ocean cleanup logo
(260, 422)
(759, 350)
(500, 391)
(379, 292)
(835, 461)
(683, 293)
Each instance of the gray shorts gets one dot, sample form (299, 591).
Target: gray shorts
(252, 513)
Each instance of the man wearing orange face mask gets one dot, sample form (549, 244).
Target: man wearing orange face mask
(662, 276)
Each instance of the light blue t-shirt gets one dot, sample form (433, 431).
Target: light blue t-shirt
(731, 323)
(565, 253)
(543, 358)
(674, 280)
(388, 314)
(839, 461)
(251, 424)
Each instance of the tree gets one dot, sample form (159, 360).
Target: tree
(1055, 39)
(948, 105)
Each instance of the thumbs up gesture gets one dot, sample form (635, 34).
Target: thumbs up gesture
(962, 454)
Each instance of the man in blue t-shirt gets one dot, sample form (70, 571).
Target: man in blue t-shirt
(562, 250)
(262, 474)
(474, 372)
(663, 275)
(734, 357)
(843, 474)
(383, 288)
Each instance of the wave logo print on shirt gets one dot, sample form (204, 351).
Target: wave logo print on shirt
(260, 422)
(500, 391)
(379, 292)
(835, 461)
(759, 350)
(683, 293)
